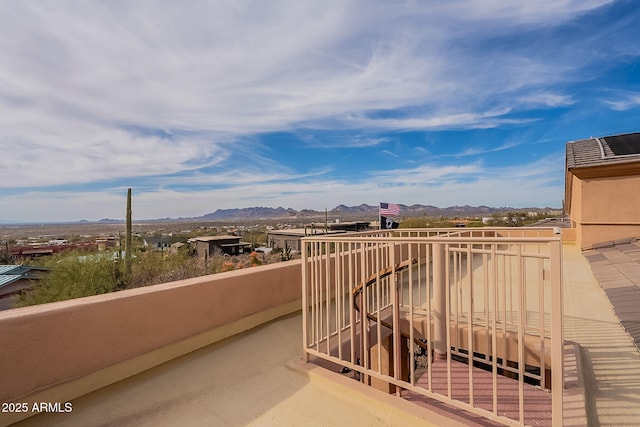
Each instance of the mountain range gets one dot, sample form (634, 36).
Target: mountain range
(362, 211)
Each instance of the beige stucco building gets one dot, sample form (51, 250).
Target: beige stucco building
(602, 188)
(206, 246)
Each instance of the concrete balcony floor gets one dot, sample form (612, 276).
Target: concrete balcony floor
(610, 358)
(245, 380)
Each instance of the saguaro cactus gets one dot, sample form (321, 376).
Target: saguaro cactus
(127, 245)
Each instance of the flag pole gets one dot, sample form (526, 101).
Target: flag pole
(379, 217)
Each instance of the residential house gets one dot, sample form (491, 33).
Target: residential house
(601, 188)
(107, 242)
(291, 237)
(15, 279)
(206, 246)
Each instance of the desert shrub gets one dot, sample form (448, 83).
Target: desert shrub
(80, 274)
(254, 260)
(74, 276)
(152, 267)
(414, 223)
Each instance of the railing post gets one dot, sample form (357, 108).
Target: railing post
(397, 339)
(439, 301)
(305, 306)
(557, 336)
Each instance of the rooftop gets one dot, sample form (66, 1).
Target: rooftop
(616, 266)
(214, 238)
(603, 151)
(251, 378)
(244, 380)
(302, 232)
(13, 273)
(611, 361)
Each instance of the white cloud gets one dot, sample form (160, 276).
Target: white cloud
(536, 184)
(428, 174)
(485, 120)
(546, 99)
(241, 67)
(86, 153)
(478, 151)
(625, 102)
(95, 92)
(519, 13)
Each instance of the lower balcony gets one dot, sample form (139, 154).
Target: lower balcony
(472, 319)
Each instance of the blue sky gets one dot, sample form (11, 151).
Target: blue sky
(204, 105)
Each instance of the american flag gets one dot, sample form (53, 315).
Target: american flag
(389, 209)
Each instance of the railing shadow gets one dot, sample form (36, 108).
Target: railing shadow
(611, 369)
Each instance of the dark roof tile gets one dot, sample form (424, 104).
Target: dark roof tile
(604, 150)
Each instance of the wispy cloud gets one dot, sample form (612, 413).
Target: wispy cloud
(178, 98)
(546, 99)
(478, 151)
(464, 120)
(535, 184)
(626, 102)
(93, 153)
(428, 174)
(518, 13)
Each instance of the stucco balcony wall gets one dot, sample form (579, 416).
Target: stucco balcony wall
(62, 350)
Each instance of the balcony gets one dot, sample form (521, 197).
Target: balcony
(469, 318)
(220, 349)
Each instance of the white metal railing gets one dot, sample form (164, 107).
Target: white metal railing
(405, 309)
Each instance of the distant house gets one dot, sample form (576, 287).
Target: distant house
(15, 279)
(156, 242)
(602, 188)
(105, 243)
(348, 226)
(291, 237)
(206, 246)
(26, 253)
(34, 252)
(175, 247)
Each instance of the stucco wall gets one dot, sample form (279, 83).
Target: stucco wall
(47, 345)
(605, 234)
(569, 235)
(614, 200)
(576, 203)
(279, 240)
(605, 209)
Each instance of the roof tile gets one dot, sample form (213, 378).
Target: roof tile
(602, 151)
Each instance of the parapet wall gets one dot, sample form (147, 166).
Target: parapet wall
(53, 344)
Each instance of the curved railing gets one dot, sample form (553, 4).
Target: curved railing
(488, 298)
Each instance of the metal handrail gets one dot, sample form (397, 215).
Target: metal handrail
(462, 295)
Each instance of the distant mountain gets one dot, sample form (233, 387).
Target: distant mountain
(363, 208)
(362, 211)
(249, 213)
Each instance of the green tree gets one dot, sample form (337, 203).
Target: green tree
(5, 257)
(73, 275)
(152, 267)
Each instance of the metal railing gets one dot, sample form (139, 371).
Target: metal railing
(452, 314)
